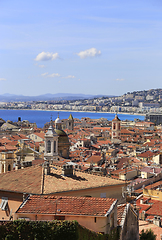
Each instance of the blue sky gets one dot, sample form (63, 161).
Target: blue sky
(91, 47)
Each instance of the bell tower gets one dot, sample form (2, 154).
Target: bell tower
(51, 145)
(58, 123)
(116, 128)
(70, 123)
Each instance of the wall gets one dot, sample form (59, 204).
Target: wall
(86, 221)
(130, 229)
(108, 192)
(14, 201)
(154, 194)
(129, 175)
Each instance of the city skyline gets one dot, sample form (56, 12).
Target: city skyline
(94, 47)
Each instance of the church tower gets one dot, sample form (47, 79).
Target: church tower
(51, 145)
(58, 123)
(70, 123)
(116, 128)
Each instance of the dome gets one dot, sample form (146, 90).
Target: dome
(63, 137)
(57, 120)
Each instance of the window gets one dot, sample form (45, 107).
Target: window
(114, 126)
(4, 203)
(95, 219)
(48, 146)
(54, 146)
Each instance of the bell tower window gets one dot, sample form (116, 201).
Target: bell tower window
(54, 146)
(48, 146)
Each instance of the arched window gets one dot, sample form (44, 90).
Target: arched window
(114, 126)
(54, 146)
(48, 146)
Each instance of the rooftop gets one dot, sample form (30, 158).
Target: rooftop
(30, 180)
(44, 204)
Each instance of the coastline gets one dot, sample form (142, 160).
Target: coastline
(119, 113)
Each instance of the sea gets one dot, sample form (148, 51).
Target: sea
(41, 117)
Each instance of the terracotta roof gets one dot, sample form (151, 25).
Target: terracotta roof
(23, 180)
(156, 209)
(147, 154)
(29, 180)
(154, 185)
(41, 135)
(55, 182)
(94, 159)
(61, 205)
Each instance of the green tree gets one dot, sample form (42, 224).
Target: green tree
(147, 235)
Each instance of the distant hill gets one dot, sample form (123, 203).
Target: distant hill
(46, 97)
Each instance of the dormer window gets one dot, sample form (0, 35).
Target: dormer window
(4, 203)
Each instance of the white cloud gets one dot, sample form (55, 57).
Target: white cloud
(50, 75)
(92, 52)
(44, 74)
(46, 56)
(54, 75)
(2, 79)
(69, 76)
(120, 79)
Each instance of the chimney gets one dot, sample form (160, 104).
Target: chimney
(157, 221)
(46, 168)
(67, 170)
(141, 201)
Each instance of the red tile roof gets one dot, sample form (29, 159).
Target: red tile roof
(61, 205)
(156, 209)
